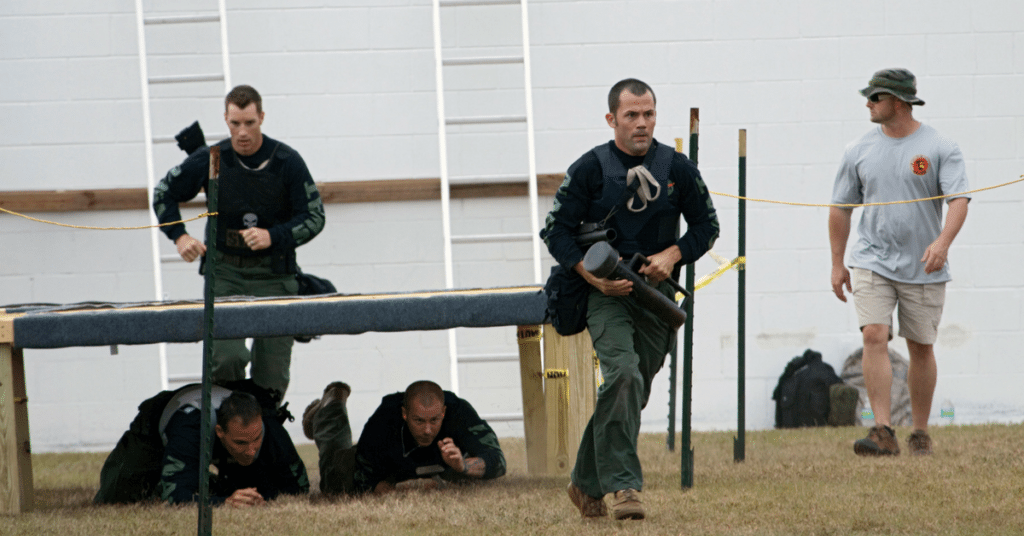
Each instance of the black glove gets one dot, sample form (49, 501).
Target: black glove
(191, 138)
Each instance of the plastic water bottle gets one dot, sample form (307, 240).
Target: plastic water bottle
(947, 412)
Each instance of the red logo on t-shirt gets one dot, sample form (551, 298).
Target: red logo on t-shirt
(919, 165)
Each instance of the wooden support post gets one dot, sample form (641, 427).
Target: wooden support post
(16, 492)
(569, 392)
(531, 371)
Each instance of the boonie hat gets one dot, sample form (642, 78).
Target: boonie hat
(897, 82)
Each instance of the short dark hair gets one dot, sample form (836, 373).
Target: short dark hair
(238, 404)
(243, 96)
(634, 86)
(423, 390)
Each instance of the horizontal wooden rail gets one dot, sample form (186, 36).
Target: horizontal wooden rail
(371, 191)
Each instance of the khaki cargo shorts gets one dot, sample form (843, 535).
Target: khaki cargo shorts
(920, 305)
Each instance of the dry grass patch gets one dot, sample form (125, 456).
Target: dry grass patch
(792, 482)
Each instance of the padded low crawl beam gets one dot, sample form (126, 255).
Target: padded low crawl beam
(63, 326)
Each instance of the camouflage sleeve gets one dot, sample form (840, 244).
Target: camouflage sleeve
(702, 227)
(572, 201)
(366, 474)
(308, 217)
(476, 439)
(179, 478)
(182, 183)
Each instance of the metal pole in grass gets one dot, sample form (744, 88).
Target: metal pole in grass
(670, 439)
(686, 466)
(739, 442)
(205, 523)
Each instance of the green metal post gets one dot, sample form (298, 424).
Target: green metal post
(686, 465)
(670, 439)
(739, 442)
(205, 522)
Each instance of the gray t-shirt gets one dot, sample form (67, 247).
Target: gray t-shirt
(877, 168)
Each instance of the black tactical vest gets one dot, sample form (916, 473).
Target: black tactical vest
(249, 198)
(649, 231)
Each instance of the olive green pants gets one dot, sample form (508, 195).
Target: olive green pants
(271, 358)
(631, 344)
(332, 434)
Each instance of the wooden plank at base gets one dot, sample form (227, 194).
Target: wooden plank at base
(16, 491)
(531, 372)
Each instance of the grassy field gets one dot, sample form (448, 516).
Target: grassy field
(792, 482)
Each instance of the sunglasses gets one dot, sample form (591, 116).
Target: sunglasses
(878, 97)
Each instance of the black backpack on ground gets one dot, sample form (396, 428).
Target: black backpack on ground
(802, 395)
(131, 472)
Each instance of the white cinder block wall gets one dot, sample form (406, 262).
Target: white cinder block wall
(350, 84)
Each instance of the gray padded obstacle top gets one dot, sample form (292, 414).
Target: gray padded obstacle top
(99, 324)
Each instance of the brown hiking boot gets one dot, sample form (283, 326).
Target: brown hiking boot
(590, 507)
(628, 504)
(920, 443)
(333, 391)
(881, 441)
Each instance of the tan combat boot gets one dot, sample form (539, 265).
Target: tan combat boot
(590, 508)
(333, 391)
(628, 504)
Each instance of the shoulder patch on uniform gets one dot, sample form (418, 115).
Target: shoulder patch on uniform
(175, 171)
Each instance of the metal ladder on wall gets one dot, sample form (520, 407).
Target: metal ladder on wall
(177, 20)
(441, 62)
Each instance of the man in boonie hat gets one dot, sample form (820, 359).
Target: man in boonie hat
(900, 256)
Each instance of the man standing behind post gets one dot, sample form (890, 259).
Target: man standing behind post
(268, 206)
(900, 258)
(630, 341)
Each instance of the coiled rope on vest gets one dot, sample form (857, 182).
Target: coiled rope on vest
(647, 182)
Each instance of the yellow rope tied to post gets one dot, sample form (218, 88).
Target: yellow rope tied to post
(203, 215)
(855, 205)
(724, 265)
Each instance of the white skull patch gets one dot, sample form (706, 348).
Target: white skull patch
(249, 220)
